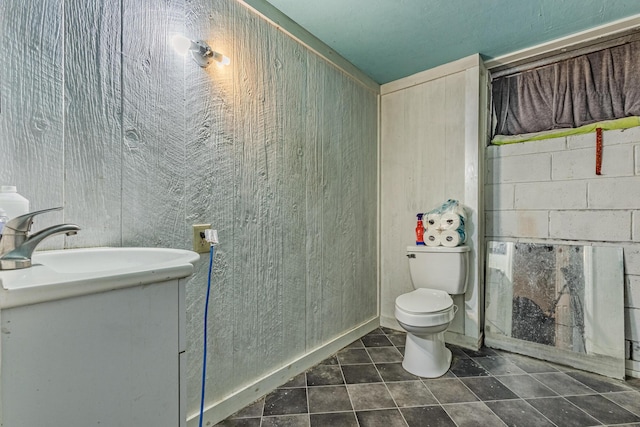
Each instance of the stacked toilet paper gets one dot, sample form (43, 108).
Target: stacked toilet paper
(445, 225)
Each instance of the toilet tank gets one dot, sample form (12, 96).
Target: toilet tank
(439, 267)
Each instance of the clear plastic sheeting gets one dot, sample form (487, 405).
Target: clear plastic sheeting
(561, 303)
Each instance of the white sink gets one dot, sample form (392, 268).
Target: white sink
(73, 272)
(80, 261)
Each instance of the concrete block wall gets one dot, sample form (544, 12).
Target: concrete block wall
(548, 190)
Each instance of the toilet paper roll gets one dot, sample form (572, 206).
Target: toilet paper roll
(432, 237)
(451, 221)
(452, 238)
(433, 221)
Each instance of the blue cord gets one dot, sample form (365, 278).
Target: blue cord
(204, 352)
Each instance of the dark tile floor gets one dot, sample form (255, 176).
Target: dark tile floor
(364, 385)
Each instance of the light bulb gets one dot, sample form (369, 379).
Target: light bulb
(221, 59)
(201, 52)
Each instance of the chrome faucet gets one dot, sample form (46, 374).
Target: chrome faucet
(17, 246)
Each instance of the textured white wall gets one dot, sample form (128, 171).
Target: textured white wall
(277, 151)
(548, 190)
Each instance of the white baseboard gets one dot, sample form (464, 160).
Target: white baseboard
(238, 400)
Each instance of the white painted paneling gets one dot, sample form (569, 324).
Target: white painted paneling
(333, 212)
(475, 141)
(93, 121)
(455, 154)
(153, 154)
(31, 125)
(314, 206)
(396, 217)
(288, 132)
(292, 95)
(429, 153)
(278, 151)
(298, 33)
(256, 208)
(209, 195)
(436, 73)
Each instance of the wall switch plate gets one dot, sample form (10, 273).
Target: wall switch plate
(200, 245)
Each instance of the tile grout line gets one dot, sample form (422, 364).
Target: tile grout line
(264, 402)
(385, 382)
(344, 379)
(572, 404)
(474, 394)
(306, 390)
(475, 360)
(519, 397)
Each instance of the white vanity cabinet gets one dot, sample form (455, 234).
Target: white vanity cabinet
(110, 358)
(107, 359)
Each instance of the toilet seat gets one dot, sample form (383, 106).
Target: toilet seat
(424, 308)
(424, 301)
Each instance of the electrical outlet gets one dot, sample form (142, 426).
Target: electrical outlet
(200, 245)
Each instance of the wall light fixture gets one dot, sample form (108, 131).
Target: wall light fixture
(200, 51)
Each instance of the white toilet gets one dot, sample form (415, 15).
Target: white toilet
(436, 272)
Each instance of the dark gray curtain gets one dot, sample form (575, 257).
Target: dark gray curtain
(602, 85)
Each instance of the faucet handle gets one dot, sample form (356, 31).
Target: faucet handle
(22, 223)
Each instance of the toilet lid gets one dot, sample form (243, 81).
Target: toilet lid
(424, 301)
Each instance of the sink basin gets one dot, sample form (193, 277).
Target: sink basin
(79, 261)
(73, 272)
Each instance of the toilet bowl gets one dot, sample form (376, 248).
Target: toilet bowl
(426, 313)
